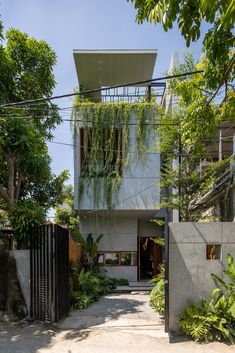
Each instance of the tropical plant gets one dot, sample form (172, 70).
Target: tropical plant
(157, 294)
(90, 287)
(91, 249)
(213, 318)
(79, 300)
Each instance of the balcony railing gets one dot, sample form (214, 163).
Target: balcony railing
(129, 94)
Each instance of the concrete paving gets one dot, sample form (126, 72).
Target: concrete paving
(121, 323)
(127, 312)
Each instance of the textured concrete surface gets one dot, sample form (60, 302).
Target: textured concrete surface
(123, 311)
(118, 323)
(22, 258)
(189, 270)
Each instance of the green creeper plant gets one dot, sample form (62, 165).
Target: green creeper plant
(106, 138)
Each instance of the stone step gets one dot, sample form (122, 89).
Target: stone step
(141, 284)
(132, 289)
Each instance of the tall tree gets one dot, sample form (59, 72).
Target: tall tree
(26, 180)
(185, 136)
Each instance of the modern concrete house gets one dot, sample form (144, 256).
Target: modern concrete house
(126, 250)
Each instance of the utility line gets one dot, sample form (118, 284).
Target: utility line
(100, 89)
(118, 202)
(37, 106)
(133, 152)
(126, 198)
(225, 76)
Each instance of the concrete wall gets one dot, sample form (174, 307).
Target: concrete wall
(120, 234)
(22, 258)
(149, 229)
(141, 173)
(189, 270)
(127, 272)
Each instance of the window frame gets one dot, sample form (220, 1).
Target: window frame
(103, 253)
(82, 163)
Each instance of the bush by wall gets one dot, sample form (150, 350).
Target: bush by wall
(213, 319)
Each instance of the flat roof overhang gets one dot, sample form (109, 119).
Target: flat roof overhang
(102, 68)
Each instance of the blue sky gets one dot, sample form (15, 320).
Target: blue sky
(86, 24)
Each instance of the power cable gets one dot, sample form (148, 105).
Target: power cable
(126, 198)
(100, 89)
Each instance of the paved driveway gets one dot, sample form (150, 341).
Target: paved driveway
(118, 323)
(118, 312)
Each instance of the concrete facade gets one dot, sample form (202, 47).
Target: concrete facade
(140, 184)
(138, 196)
(189, 270)
(136, 203)
(120, 233)
(22, 258)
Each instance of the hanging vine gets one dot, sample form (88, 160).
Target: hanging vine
(104, 130)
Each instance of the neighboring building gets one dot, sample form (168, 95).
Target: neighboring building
(126, 250)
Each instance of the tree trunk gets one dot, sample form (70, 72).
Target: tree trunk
(11, 173)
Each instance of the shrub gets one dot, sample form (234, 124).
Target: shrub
(120, 282)
(157, 294)
(79, 300)
(89, 288)
(213, 318)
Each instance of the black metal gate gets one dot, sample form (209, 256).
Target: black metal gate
(49, 273)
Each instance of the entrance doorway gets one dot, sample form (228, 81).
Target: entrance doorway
(149, 258)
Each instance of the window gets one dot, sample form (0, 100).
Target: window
(213, 252)
(103, 164)
(118, 258)
(111, 259)
(128, 259)
(101, 259)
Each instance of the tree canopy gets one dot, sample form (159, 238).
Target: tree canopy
(27, 184)
(186, 132)
(66, 214)
(189, 14)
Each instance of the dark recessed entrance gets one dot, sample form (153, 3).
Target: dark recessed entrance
(150, 257)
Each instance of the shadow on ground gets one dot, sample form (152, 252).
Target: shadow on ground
(108, 308)
(17, 338)
(111, 316)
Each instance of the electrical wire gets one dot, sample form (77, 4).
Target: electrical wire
(99, 89)
(126, 198)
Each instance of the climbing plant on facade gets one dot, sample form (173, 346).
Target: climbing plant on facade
(105, 130)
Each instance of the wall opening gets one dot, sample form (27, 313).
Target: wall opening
(213, 252)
